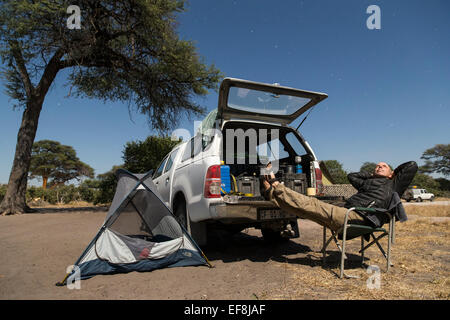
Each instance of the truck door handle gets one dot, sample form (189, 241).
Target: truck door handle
(157, 182)
(167, 179)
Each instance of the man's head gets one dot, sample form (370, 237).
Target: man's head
(383, 170)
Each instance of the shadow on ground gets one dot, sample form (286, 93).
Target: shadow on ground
(43, 210)
(243, 246)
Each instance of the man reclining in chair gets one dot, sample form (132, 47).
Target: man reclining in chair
(374, 190)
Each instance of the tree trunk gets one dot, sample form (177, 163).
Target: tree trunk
(14, 201)
(44, 182)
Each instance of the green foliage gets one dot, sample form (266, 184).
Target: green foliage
(88, 193)
(61, 194)
(427, 182)
(444, 184)
(3, 188)
(368, 167)
(107, 183)
(437, 160)
(57, 162)
(142, 156)
(337, 172)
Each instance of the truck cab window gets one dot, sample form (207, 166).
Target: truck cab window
(188, 150)
(170, 160)
(160, 169)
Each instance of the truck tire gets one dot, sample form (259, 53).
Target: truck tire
(180, 214)
(419, 199)
(197, 230)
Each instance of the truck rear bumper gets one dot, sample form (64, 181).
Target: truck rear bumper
(245, 211)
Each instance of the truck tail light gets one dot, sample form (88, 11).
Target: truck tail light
(212, 182)
(319, 184)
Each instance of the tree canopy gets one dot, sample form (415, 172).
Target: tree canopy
(437, 160)
(56, 163)
(142, 156)
(368, 167)
(337, 172)
(124, 50)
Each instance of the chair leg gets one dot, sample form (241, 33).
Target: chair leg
(324, 254)
(362, 251)
(341, 275)
(389, 245)
(375, 240)
(393, 232)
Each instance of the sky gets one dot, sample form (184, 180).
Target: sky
(388, 89)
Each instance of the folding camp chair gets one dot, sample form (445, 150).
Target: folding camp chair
(351, 231)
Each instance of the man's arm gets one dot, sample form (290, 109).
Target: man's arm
(403, 175)
(357, 178)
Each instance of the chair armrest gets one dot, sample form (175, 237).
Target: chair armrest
(365, 209)
(374, 210)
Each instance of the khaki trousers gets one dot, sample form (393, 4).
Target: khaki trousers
(310, 208)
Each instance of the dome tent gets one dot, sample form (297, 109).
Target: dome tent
(139, 233)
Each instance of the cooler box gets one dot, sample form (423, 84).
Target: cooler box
(225, 179)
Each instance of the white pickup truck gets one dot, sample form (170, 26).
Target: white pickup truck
(418, 195)
(213, 179)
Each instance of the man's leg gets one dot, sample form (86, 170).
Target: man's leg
(311, 208)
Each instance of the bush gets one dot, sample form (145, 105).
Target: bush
(2, 191)
(87, 194)
(62, 194)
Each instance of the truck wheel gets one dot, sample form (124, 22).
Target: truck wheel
(419, 199)
(197, 230)
(180, 215)
(431, 199)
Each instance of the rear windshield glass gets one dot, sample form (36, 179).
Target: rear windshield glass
(295, 144)
(264, 102)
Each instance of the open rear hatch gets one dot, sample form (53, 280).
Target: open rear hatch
(242, 99)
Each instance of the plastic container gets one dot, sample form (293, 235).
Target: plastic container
(298, 166)
(249, 186)
(225, 179)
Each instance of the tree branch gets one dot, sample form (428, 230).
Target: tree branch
(50, 72)
(17, 54)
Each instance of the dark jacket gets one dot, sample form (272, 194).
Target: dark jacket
(377, 191)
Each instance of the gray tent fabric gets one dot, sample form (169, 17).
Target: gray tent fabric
(139, 233)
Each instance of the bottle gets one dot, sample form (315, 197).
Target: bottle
(225, 180)
(298, 167)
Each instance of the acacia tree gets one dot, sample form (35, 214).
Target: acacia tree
(437, 160)
(125, 50)
(57, 162)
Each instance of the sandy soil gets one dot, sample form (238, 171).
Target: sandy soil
(37, 248)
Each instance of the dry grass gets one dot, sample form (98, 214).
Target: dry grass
(428, 210)
(421, 257)
(72, 204)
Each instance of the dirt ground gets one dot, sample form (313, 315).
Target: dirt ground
(37, 248)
